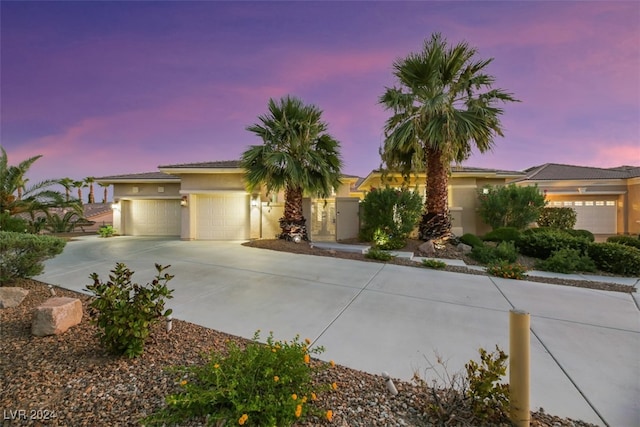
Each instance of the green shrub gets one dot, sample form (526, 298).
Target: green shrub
(625, 240)
(434, 263)
(502, 234)
(22, 255)
(389, 215)
(507, 270)
(13, 223)
(562, 218)
(106, 231)
(542, 242)
(125, 311)
(510, 205)
(616, 258)
(471, 240)
(486, 254)
(378, 254)
(260, 385)
(566, 261)
(585, 234)
(489, 397)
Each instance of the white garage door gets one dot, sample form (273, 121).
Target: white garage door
(597, 216)
(222, 217)
(153, 218)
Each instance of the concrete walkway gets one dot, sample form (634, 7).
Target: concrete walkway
(379, 317)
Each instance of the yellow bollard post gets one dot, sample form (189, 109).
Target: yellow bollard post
(519, 367)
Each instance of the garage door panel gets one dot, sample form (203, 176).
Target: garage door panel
(153, 218)
(222, 217)
(599, 217)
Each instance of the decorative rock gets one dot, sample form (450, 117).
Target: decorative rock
(427, 248)
(465, 249)
(12, 296)
(55, 316)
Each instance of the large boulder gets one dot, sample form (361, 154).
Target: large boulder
(465, 249)
(12, 296)
(427, 249)
(55, 316)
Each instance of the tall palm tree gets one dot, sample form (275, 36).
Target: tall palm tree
(79, 185)
(105, 187)
(89, 182)
(297, 155)
(67, 183)
(444, 107)
(16, 197)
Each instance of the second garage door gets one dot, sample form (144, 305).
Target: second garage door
(222, 217)
(153, 218)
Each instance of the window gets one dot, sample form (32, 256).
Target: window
(578, 203)
(611, 203)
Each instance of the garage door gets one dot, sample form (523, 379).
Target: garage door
(222, 217)
(153, 218)
(597, 216)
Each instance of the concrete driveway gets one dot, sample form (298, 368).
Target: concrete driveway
(376, 317)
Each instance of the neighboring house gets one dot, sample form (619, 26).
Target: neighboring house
(209, 201)
(95, 216)
(607, 201)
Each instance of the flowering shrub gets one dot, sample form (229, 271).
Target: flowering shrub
(260, 385)
(507, 270)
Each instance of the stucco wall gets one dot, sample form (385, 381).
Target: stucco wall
(633, 207)
(134, 190)
(208, 182)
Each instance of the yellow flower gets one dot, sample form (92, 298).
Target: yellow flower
(273, 350)
(216, 366)
(243, 419)
(334, 386)
(298, 411)
(304, 399)
(294, 396)
(307, 340)
(313, 396)
(183, 382)
(329, 415)
(332, 363)
(276, 378)
(306, 359)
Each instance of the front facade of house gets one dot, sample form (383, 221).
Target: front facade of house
(209, 201)
(606, 201)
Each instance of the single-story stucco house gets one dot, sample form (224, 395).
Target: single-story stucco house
(209, 201)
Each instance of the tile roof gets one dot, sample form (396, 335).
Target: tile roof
(475, 170)
(205, 165)
(138, 176)
(555, 171)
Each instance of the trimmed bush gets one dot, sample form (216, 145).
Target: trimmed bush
(502, 234)
(13, 223)
(625, 240)
(471, 240)
(378, 254)
(542, 242)
(586, 234)
(22, 255)
(616, 258)
(434, 264)
(566, 261)
(510, 205)
(562, 218)
(505, 251)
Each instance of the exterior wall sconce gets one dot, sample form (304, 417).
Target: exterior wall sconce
(183, 201)
(115, 205)
(254, 201)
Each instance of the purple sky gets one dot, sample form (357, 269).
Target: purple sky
(102, 88)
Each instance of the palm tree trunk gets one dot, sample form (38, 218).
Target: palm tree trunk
(92, 198)
(435, 223)
(293, 222)
(104, 195)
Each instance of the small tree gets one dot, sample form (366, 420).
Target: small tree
(22, 255)
(510, 205)
(389, 215)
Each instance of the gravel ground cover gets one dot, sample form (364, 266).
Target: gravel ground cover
(69, 380)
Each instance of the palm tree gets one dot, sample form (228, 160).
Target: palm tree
(444, 106)
(67, 183)
(16, 198)
(89, 182)
(297, 155)
(105, 187)
(79, 185)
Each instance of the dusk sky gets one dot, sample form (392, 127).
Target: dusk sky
(104, 88)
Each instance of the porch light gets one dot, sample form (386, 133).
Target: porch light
(183, 201)
(254, 201)
(115, 205)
